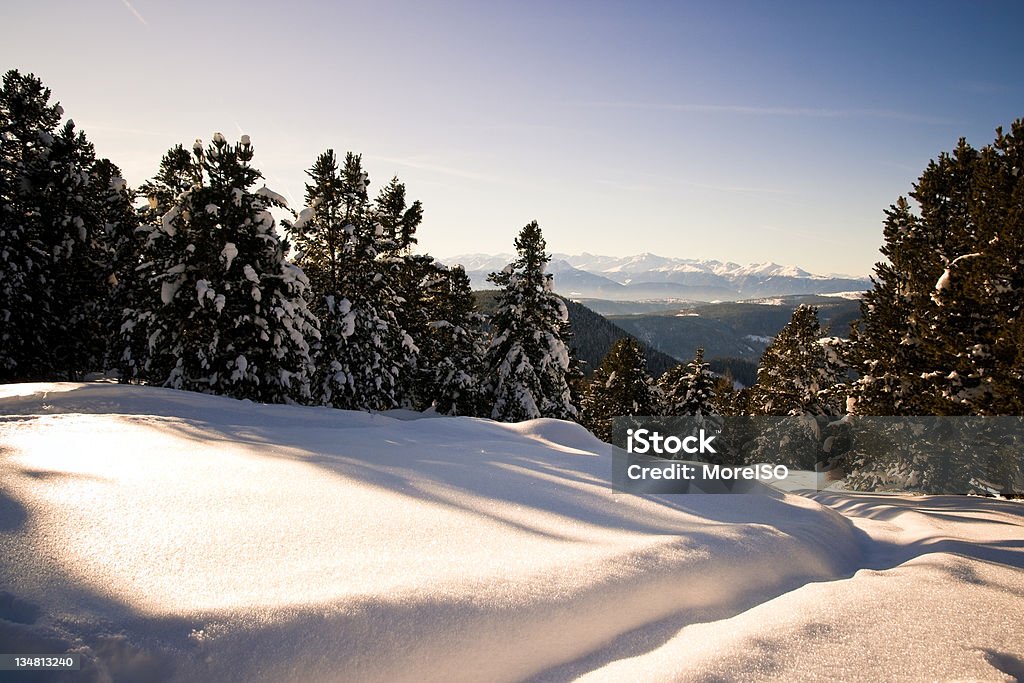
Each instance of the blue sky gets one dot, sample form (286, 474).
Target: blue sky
(744, 131)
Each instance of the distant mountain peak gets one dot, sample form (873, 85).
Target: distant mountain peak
(651, 276)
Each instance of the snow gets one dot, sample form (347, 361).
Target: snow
(852, 296)
(620, 268)
(944, 281)
(305, 216)
(167, 221)
(173, 536)
(228, 253)
(267, 193)
(168, 288)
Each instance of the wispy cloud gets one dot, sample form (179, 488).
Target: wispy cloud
(753, 110)
(435, 168)
(135, 12)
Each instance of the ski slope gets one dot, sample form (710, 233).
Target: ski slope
(166, 535)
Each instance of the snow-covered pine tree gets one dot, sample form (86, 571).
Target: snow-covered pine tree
(620, 386)
(891, 364)
(178, 173)
(729, 400)
(27, 123)
(364, 354)
(689, 388)
(417, 280)
(796, 373)
(120, 221)
(53, 251)
(941, 330)
(137, 259)
(398, 220)
(224, 312)
(529, 363)
(797, 377)
(455, 346)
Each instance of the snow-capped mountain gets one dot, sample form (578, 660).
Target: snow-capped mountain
(650, 276)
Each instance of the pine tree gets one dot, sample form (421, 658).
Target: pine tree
(416, 280)
(365, 355)
(27, 122)
(729, 400)
(419, 283)
(120, 222)
(178, 173)
(796, 373)
(138, 257)
(53, 250)
(689, 389)
(399, 221)
(619, 387)
(223, 311)
(795, 379)
(941, 330)
(454, 347)
(529, 363)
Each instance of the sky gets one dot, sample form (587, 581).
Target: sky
(741, 131)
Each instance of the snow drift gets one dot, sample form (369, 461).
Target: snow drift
(174, 536)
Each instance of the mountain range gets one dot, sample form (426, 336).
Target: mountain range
(649, 276)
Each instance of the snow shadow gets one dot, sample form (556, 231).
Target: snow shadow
(12, 513)
(1008, 664)
(502, 473)
(925, 516)
(509, 472)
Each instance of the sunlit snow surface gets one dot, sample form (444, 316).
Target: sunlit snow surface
(173, 536)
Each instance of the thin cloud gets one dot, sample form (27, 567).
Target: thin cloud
(135, 12)
(750, 110)
(425, 166)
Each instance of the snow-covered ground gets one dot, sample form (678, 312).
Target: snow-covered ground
(173, 536)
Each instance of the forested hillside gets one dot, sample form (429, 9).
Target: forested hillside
(732, 329)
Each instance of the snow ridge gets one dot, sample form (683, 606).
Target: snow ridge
(167, 535)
